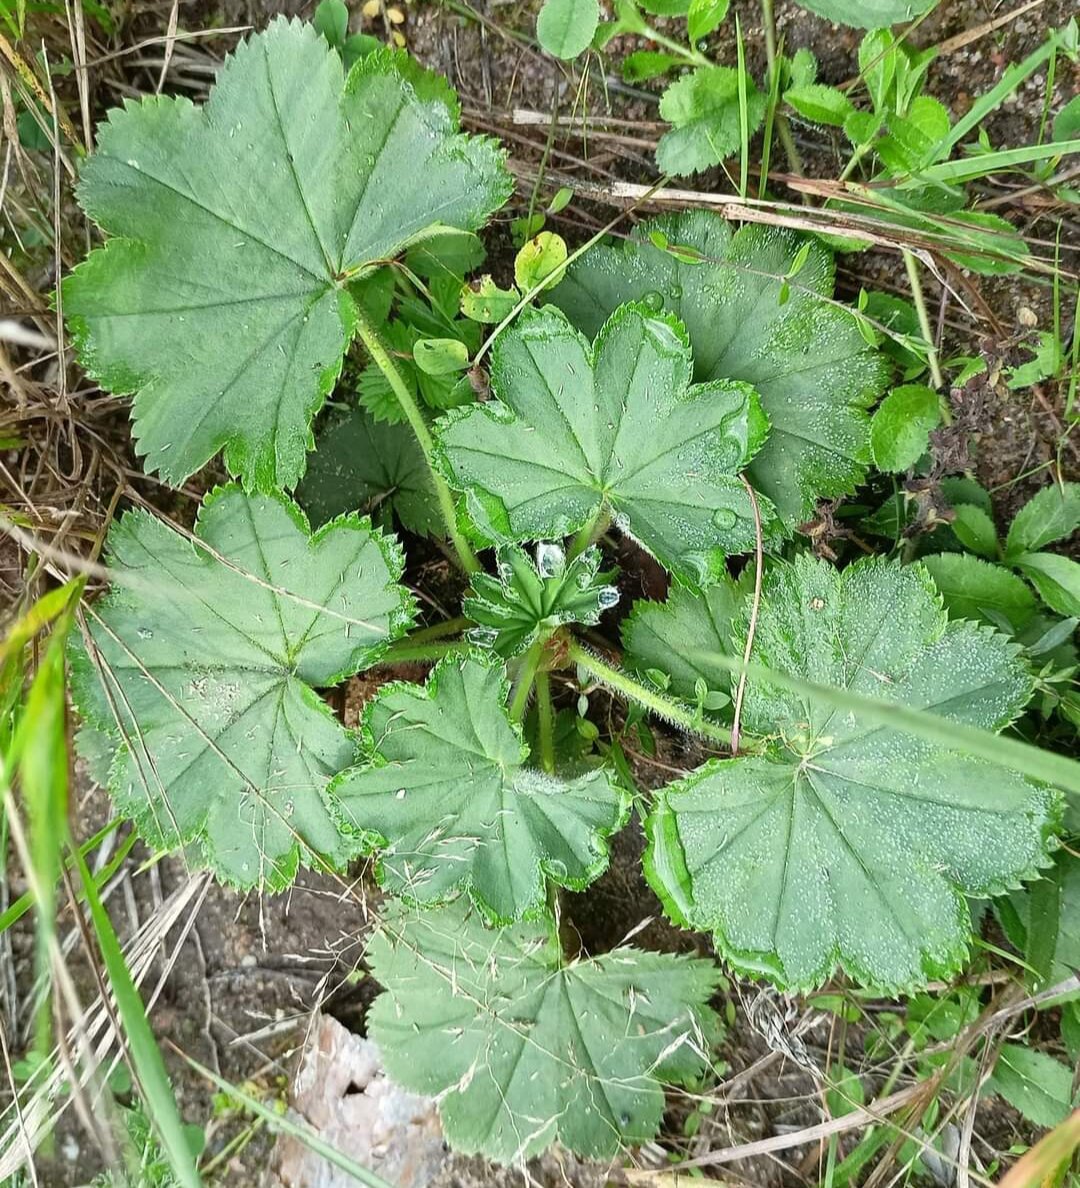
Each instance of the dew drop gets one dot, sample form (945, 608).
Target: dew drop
(550, 559)
(724, 518)
(653, 301)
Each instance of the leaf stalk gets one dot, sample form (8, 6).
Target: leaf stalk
(546, 715)
(924, 325)
(655, 702)
(523, 683)
(369, 336)
(591, 532)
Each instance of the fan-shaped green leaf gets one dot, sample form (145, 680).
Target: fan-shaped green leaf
(222, 299)
(523, 1047)
(805, 356)
(681, 636)
(512, 609)
(868, 14)
(578, 433)
(361, 464)
(205, 657)
(447, 797)
(848, 842)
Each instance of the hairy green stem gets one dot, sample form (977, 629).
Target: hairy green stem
(590, 533)
(919, 298)
(381, 356)
(523, 682)
(694, 56)
(438, 630)
(657, 703)
(546, 715)
(429, 652)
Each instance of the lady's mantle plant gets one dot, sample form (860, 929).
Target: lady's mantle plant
(695, 390)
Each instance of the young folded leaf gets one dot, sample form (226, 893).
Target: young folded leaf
(804, 356)
(680, 637)
(523, 1047)
(848, 842)
(205, 657)
(222, 300)
(446, 796)
(578, 433)
(524, 600)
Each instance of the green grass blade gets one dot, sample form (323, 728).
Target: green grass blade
(282, 1124)
(35, 748)
(1011, 753)
(25, 902)
(39, 751)
(744, 114)
(146, 1060)
(1010, 81)
(47, 608)
(987, 163)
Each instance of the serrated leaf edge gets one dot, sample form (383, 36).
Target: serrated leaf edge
(83, 669)
(371, 841)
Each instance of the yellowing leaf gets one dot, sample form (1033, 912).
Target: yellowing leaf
(538, 259)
